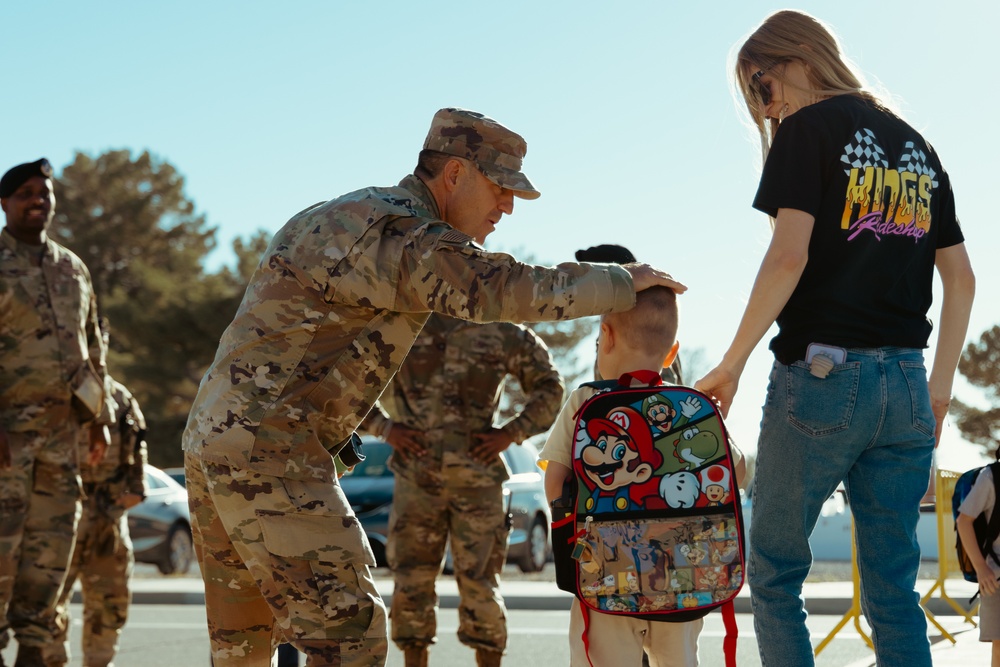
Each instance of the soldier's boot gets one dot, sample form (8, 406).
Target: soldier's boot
(415, 657)
(487, 658)
(29, 656)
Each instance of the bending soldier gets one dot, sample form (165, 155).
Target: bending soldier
(337, 300)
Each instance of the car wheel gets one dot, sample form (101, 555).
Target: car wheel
(537, 550)
(180, 551)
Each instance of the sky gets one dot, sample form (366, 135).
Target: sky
(633, 133)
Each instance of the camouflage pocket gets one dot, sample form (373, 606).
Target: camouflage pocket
(320, 563)
(322, 537)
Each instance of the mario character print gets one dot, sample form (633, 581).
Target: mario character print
(616, 459)
(694, 447)
(680, 489)
(715, 485)
(661, 415)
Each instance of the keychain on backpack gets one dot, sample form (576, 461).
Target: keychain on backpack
(583, 552)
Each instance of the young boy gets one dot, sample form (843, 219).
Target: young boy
(982, 498)
(636, 342)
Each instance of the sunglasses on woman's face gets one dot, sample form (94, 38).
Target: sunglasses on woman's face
(762, 89)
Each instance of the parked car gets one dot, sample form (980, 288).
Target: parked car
(177, 474)
(369, 489)
(160, 526)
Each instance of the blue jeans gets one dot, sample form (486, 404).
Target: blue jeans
(869, 424)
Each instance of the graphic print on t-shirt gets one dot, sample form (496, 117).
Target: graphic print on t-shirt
(882, 200)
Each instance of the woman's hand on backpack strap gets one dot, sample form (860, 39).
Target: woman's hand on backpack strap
(721, 385)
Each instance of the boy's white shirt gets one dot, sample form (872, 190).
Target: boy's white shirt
(981, 499)
(559, 444)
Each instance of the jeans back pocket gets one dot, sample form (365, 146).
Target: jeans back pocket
(822, 406)
(920, 400)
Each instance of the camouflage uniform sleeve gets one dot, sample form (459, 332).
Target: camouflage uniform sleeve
(531, 363)
(98, 354)
(443, 270)
(376, 421)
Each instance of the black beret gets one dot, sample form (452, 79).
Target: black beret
(606, 254)
(16, 176)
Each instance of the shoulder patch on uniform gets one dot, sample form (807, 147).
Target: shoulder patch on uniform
(455, 236)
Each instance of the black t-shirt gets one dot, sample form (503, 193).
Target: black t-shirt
(883, 206)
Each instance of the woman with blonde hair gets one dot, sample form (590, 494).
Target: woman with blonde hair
(862, 212)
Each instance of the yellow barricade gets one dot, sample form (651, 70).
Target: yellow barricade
(944, 490)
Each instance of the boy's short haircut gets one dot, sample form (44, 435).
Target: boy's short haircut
(651, 326)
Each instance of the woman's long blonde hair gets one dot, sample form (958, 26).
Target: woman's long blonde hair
(791, 35)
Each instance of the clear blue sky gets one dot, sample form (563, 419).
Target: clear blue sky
(633, 135)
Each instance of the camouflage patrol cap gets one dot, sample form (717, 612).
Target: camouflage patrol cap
(497, 151)
(17, 176)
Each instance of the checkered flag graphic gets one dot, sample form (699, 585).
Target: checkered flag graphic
(915, 160)
(863, 152)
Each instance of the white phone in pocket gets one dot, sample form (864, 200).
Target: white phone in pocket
(837, 354)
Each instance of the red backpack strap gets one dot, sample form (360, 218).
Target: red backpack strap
(642, 378)
(586, 631)
(732, 632)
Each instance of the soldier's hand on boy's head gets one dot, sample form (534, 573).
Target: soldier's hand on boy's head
(404, 441)
(5, 459)
(490, 445)
(645, 276)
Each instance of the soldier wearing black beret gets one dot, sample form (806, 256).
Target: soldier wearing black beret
(53, 394)
(16, 176)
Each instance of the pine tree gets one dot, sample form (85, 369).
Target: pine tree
(130, 221)
(980, 364)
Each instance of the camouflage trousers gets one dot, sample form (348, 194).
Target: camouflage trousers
(420, 523)
(103, 562)
(39, 510)
(283, 560)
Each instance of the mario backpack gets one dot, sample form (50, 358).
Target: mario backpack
(654, 527)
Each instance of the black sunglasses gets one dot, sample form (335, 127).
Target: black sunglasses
(762, 89)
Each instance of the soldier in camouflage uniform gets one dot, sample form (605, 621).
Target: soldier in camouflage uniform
(103, 556)
(439, 411)
(339, 296)
(53, 392)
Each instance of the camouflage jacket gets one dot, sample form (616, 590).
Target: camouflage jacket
(48, 332)
(120, 472)
(339, 296)
(449, 389)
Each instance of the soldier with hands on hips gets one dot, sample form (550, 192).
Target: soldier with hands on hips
(438, 413)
